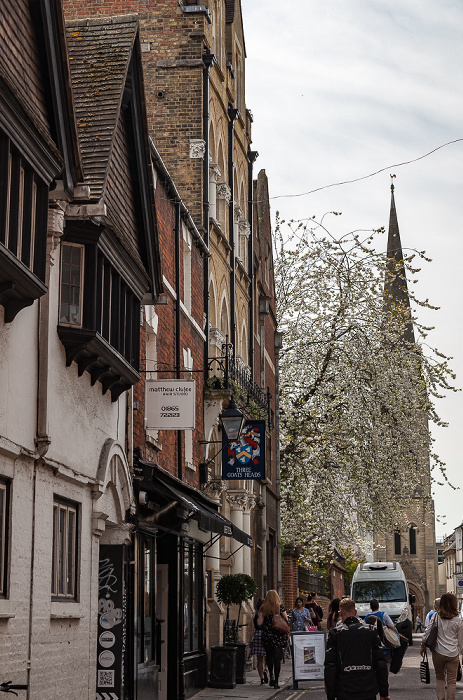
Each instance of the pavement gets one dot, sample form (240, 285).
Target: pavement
(404, 685)
(252, 689)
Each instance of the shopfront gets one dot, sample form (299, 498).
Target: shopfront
(173, 527)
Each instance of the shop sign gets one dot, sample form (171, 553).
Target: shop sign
(170, 404)
(245, 459)
(111, 624)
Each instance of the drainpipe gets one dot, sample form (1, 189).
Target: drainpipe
(178, 343)
(252, 155)
(232, 114)
(208, 60)
(55, 231)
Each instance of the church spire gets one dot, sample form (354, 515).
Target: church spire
(395, 285)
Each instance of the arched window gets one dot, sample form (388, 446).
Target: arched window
(397, 543)
(224, 318)
(212, 306)
(412, 537)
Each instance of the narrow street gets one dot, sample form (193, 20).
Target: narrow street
(405, 685)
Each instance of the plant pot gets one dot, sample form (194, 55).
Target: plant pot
(240, 661)
(223, 667)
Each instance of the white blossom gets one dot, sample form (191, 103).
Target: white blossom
(356, 392)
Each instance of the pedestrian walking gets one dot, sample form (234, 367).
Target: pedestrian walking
(354, 663)
(333, 614)
(301, 616)
(274, 640)
(431, 613)
(419, 626)
(318, 608)
(385, 622)
(312, 606)
(449, 644)
(257, 645)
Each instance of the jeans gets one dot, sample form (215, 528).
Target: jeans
(443, 664)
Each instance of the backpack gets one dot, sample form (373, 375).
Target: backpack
(319, 611)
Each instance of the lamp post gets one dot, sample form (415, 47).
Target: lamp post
(232, 420)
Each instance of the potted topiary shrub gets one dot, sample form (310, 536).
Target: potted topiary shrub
(235, 589)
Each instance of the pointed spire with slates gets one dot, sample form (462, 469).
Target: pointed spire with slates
(395, 285)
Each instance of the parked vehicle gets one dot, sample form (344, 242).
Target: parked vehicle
(384, 580)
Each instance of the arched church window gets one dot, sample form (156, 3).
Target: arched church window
(412, 536)
(397, 543)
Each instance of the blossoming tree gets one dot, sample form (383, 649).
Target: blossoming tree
(358, 384)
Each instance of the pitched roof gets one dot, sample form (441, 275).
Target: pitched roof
(395, 286)
(100, 50)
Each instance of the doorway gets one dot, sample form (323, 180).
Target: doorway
(162, 623)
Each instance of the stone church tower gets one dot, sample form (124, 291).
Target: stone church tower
(412, 543)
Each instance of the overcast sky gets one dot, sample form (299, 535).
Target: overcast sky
(340, 89)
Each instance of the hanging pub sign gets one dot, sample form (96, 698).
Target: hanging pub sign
(245, 459)
(170, 404)
(112, 616)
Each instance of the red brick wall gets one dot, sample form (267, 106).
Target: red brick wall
(173, 73)
(165, 346)
(289, 576)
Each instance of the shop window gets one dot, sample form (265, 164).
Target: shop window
(4, 499)
(397, 544)
(64, 555)
(193, 577)
(146, 646)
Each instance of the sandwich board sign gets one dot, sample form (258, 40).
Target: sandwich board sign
(308, 656)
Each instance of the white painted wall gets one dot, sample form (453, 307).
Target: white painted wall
(18, 377)
(57, 638)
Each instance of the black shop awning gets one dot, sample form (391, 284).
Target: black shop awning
(157, 481)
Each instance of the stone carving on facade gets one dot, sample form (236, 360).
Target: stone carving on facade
(216, 337)
(224, 192)
(237, 500)
(197, 148)
(214, 488)
(240, 500)
(55, 226)
(244, 228)
(215, 171)
(238, 213)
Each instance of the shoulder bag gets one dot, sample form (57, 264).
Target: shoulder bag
(279, 624)
(391, 637)
(431, 639)
(425, 676)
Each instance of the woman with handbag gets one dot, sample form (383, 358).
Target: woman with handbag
(275, 632)
(445, 636)
(301, 616)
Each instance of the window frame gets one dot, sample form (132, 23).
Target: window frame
(69, 244)
(60, 568)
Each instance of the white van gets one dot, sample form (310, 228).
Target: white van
(384, 580)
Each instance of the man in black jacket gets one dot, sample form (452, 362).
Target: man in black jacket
(354, 664)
